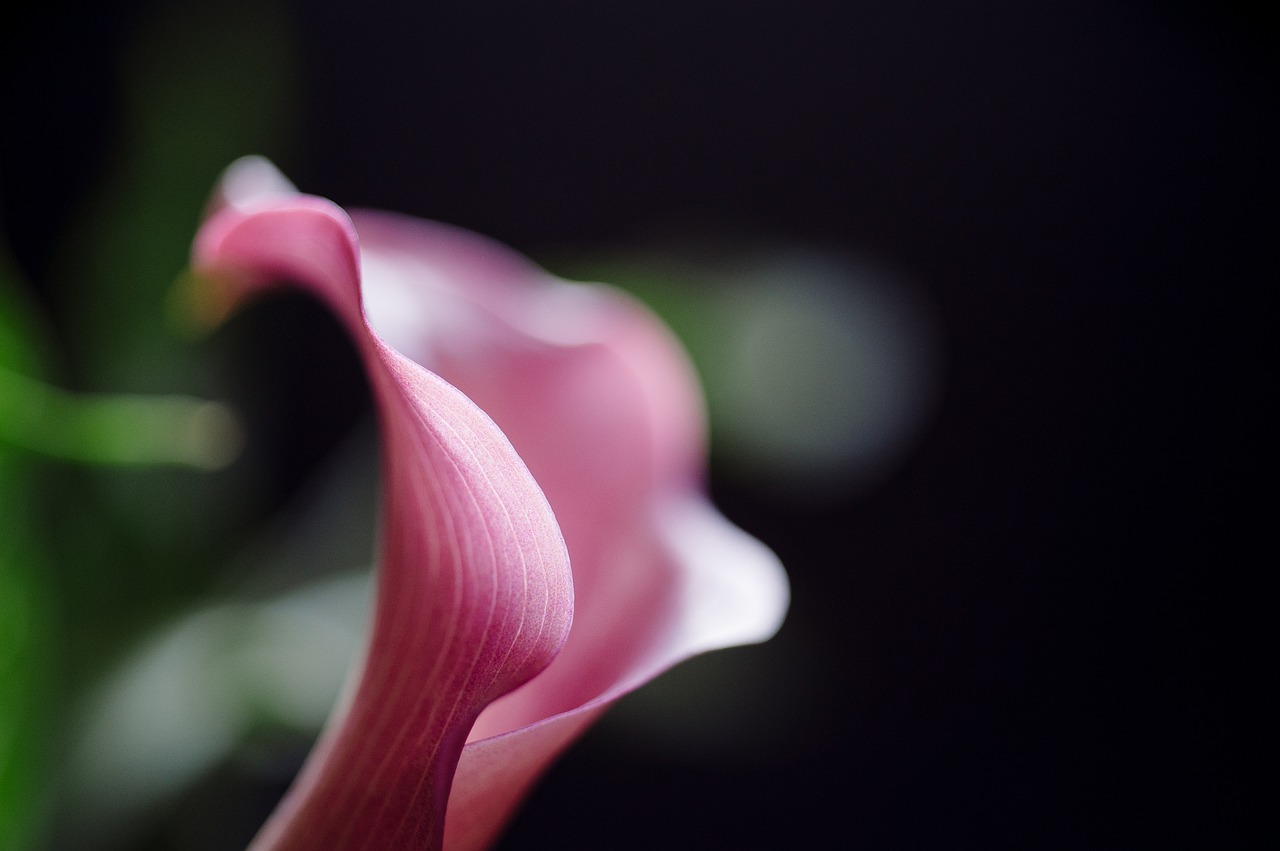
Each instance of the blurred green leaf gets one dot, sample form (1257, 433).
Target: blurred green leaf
(90, 558)
(26, 613)
(125, 430)
(26, 664)
(199, 87)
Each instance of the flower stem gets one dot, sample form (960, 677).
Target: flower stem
(125, 430)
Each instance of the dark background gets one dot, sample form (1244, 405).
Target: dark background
(1034, 632)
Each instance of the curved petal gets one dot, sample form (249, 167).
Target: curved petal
(474, 594)
(600, 402)
(728, 589)
(588, 386)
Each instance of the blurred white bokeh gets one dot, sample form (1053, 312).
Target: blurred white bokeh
(822, 370)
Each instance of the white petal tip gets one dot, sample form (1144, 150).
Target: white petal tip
(253, 178)
(736, 586)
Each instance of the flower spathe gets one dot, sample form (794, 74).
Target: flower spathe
(579, 440)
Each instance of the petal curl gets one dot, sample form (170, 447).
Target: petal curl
(601, 403)
(474, 594)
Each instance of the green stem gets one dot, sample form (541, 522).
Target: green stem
(121, 430)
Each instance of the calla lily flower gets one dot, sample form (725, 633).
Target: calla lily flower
(547, 545)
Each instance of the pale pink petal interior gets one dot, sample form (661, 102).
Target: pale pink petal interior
(601, 404)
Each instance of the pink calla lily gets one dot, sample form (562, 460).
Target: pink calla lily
(579, 440)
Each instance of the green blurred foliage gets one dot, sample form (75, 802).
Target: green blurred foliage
(200, 86)
(26, 612)
(92, 556)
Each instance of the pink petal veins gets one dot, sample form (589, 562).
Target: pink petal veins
(599, 400)
(600, 403)
(475, 594)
